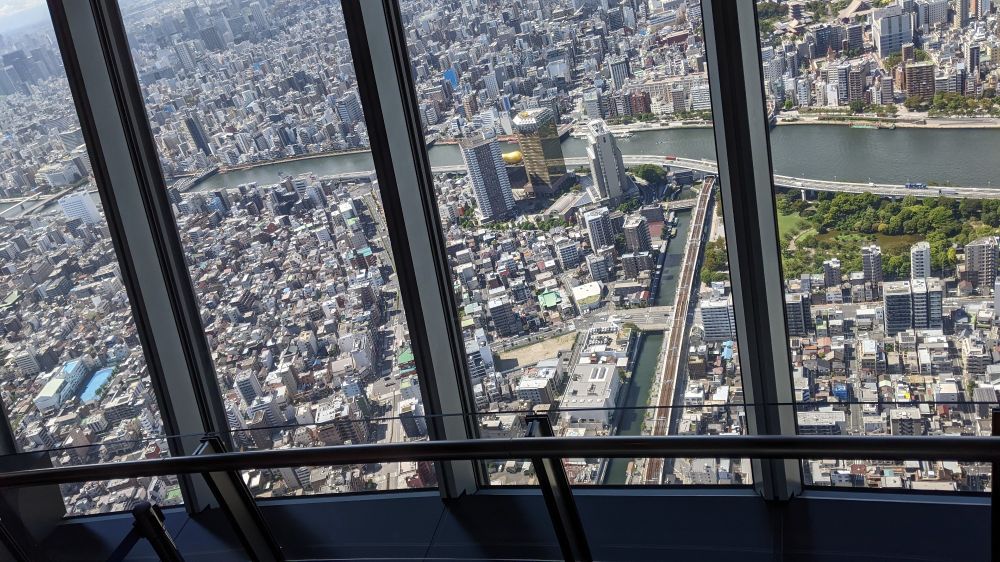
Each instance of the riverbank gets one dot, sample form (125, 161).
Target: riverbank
(848, 120)
(297, 158)
(565, 131)
(644, 127)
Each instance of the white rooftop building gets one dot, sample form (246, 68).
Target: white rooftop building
(591, 386)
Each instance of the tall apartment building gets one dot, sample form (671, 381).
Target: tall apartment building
(637, 237)
(598, 223)
(634, 263)
(620, 70)
(248, 385)
(897, 307)
(798, 312)
(926, 301)
(962, 13)
(883, 91)
(593, 104)
(198, 135)
(349, 108)
(488, 175)
(411, 417)
(568, 253)
(855, 85)
(838, 74)
(606, 165)
(983, 8)
(972, 53)
(80, 205)
(538, 136)
(855, 36)
(478, 355)
(871, 265)
(919, 78)
(891, 27)
(916, 304)
(907, 421)
(981, 261)
(598, 267)
(502, 314)
(832, 274)
(718, 319)
(340, 421)
(26, 362)
(920, 260)
(931, 13)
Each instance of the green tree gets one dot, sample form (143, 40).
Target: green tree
(715, 266)
(916, 103)
(768, 10)
(629, 205)
(819, 8)
(651, 173)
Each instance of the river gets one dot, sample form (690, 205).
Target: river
(961, 156)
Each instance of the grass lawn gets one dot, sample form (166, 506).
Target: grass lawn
(890, 244)
(788, 223)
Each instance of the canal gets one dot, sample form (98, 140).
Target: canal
(647, 363)
(639, 388)
(672, 261)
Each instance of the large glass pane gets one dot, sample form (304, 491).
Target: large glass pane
(74, 379)
(583, 232)
(883, 148)
(262, 140)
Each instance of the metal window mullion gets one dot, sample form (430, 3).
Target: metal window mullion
(406, 186)
(146, 241)
(745, 173)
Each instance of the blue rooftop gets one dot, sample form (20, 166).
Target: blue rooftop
(97, 380)
(70, 366)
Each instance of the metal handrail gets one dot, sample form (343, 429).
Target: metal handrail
(982, 449)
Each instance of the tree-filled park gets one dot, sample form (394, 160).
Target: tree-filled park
(837, 225)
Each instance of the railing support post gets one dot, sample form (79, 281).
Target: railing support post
(558, 496)
(241, 509)
(149, 524)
